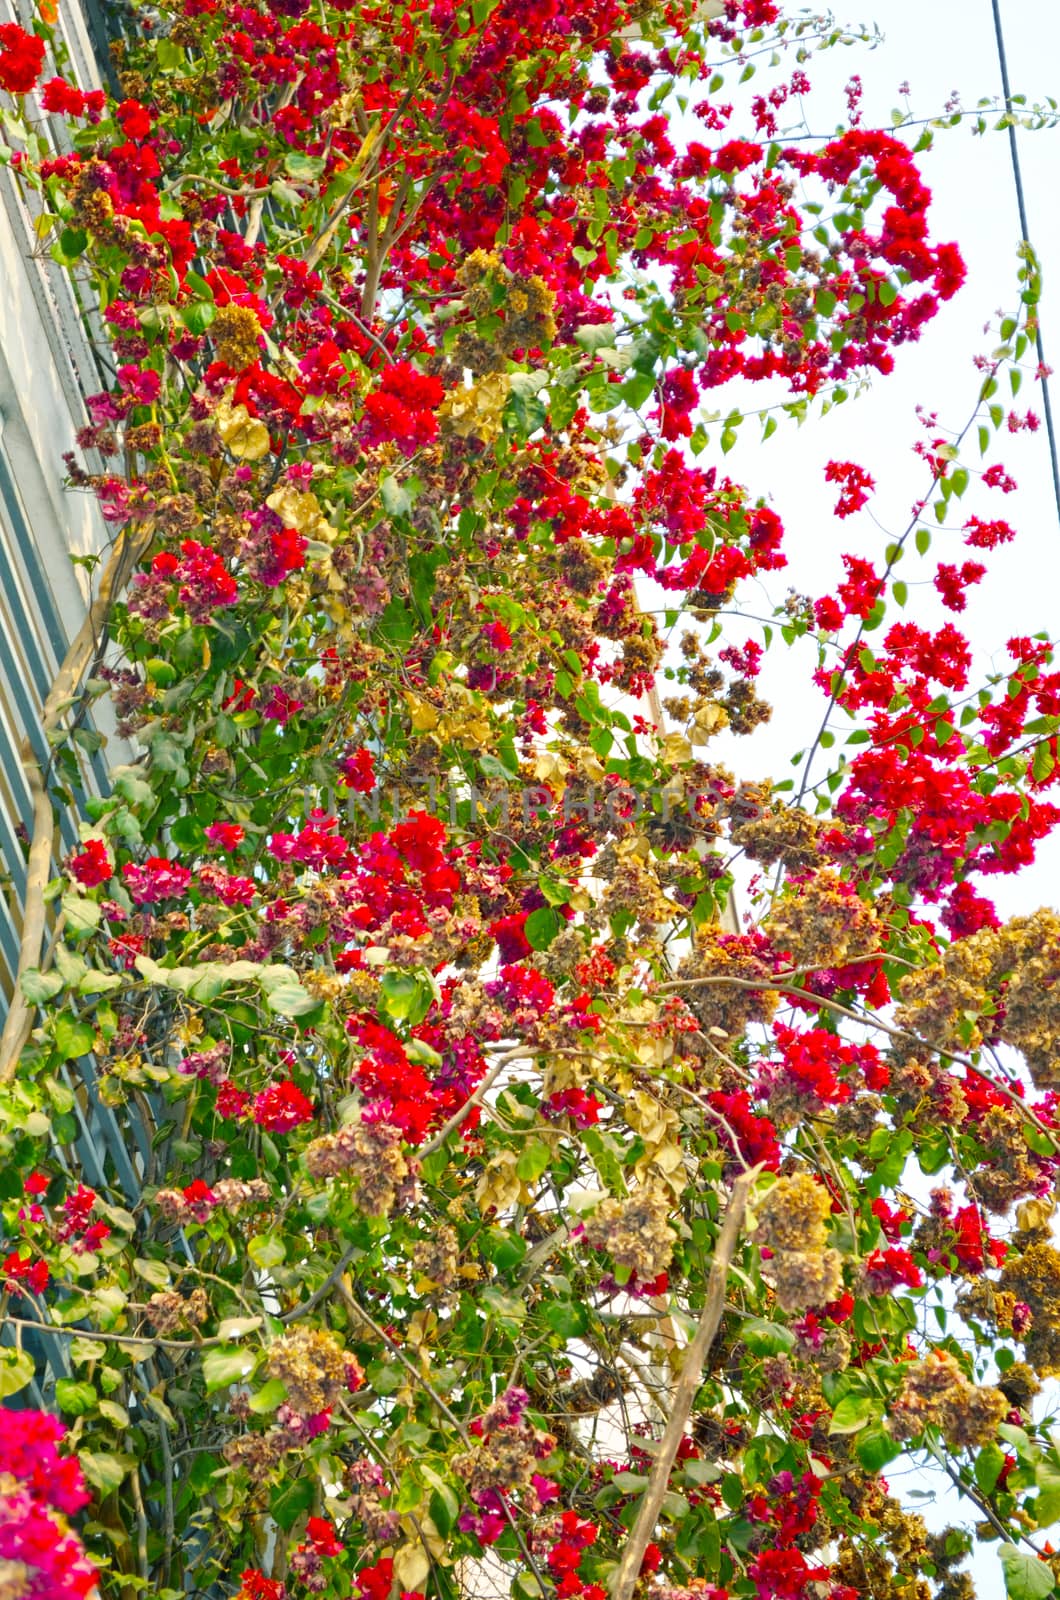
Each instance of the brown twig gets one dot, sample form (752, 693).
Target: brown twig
(461, 1116)
(628, 1571)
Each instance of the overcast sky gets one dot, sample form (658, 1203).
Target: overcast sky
(937, 48)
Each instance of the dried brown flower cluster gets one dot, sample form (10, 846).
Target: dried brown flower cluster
(1032, 1278)
(936, 1393)
(168, 1310)
(792, 1225)
(824, 924)
(314, 1369)
(370, 1154)
(226, 1194)
(635, 1233)
(999, 983)
(437, 1258)
(885, 1568)
(236, 334)
(720, 1005)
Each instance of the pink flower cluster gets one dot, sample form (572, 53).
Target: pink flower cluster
(41, 1489)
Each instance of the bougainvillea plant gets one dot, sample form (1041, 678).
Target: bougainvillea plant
(498, 1213)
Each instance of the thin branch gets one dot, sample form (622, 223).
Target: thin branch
(459, 1117)
(399, 1355)
(112, 1338)
(628, 1572)
(325, 1289)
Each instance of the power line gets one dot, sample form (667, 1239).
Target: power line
(1022, 204)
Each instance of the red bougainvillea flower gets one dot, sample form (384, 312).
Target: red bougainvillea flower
(886, 1269)
(358, 771)
(92, 865)
(857, 485)
(973, 1245)
(282, 1107)
(321, 1534)
(62, 98)
(225, 835)
(987, 535)
(135, 119)
(23, 1272)
(255, 1586)
(582, 1108)
(21, 58)
(28, 1452)
(232, 1101)
(401, 410)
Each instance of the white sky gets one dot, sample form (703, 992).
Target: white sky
(937, 46)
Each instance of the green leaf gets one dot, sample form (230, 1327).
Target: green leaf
(445, 1502)
(291, 1000)
(1043, 763)
(154, 1401)
(526, 411)
(132, 786)
(637, 389)
(506, 1250)
(422, 569)
(507, 1308)
(533, 1160)
(81, 915)
(875, 1447)
(292, 1500)
(73, 242)
(407, 996)
(594, 336)
(395, 498)
(397, 624)
(418, 1050)
(95, 982)
(156, 1273)
(197, 316)
(73, 1038)
(85, 1350)
(227, 1364)
(16, 1370)
(268, 1397)
(567, 1318)
(105, 1471)
(37, 986)
(766, 1338)
(988, 1467)
(266, 1252)
(74, 1396)
(302, 167)
(541, 927)
(853, 1412)
(238, 1327)
(1026, 1578)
